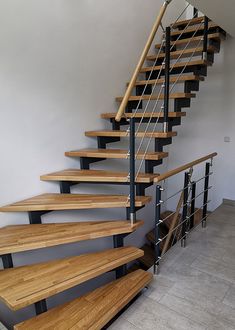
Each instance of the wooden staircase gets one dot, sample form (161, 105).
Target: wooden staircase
(33, 284)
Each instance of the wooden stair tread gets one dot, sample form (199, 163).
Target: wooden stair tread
(183, 53)
(188, 22)
(29, 237)
(156, 97)
(55, 202)
(119, 133)
(178, 65)
(23, 286)
(75, 175)
(215, 36)
(114, 153)
(173, 79)
(93, 310)
(112, 115)
(194, 29)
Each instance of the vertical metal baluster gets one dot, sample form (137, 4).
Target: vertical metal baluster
(205, 198)
(192, 210)
(132, 171)
(195, 12)
(205, 38)
(185, 209)
(157, 229)
(167, 78)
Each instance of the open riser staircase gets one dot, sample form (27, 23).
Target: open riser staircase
(154, 104)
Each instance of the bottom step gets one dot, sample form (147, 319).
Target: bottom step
(95, 309)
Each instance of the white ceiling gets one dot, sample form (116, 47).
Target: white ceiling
(221, 12)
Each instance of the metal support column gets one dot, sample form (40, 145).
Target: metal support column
(157, 229)
(192, 210)
(185, 210)
(205, 197)
(205, 39)
(167, 78)
(132, 171)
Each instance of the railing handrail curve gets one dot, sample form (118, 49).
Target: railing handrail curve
(182, 168)
(144, 54)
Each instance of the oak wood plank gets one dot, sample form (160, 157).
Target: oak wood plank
(115, 153)
(93, 310)
(21, 238)
(23, 286)
(76, 175)
(56, 202)
(111, 115)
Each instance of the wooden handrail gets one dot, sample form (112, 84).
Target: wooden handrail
(182, 168)
(131, 85)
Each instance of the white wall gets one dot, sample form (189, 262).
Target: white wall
(61, 64)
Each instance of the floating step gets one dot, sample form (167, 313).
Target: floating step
(93, 310)
(195, 29)
(158, 97)
(56, 202)
(74, 175)
(23, 286)
(173, 79)
(188, 22)
(21, 238)
(182, 53)
(112, 115)
(115, 154)
(178, 65)
(118, 133)
(213, 36)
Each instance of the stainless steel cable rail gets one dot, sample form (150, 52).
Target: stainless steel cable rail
(182, 220)
(151, 108)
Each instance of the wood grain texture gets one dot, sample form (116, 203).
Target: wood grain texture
(56, 202)
(115, 154)
(75, 175)
(182, 53)
(173, 79)
(188, 22)
(159, 97)
(214, 36)
(119, 133)
(23, 286)
(93, 310)
(177, 65)
(111, 115)
(194, 29)
(29, 237)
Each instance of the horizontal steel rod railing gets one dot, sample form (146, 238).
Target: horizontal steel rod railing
(182, 220)
(182, 168)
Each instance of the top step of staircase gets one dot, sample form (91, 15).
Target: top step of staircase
(23, 286)
(56, 202)
(21, 238)
(95, 309)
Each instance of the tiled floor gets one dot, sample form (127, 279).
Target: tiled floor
(195, 288)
